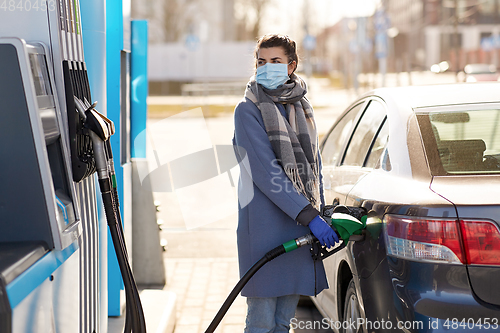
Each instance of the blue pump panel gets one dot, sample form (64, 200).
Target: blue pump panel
(118, 110)
(139, 89)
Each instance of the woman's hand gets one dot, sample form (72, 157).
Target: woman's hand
(323, 232)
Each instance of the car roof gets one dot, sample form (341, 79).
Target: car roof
(480, 68)
(412, 97)
(403, 101)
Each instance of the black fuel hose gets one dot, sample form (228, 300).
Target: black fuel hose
(274, 253)
(129, 307)
(100, 130)
(133, 304)
(134, 321)
(134, 316)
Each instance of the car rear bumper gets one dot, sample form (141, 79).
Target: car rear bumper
(410, 296)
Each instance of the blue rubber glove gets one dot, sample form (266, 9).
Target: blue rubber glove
(323, 232)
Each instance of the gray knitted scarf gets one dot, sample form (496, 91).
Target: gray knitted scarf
(294, 142)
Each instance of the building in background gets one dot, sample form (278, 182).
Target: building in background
(457, 31)
(176, 20)
(346, 49)
(412, 35)
(199, 41)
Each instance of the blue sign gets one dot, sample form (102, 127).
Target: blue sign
(192, 42)
(490, 43)
(309, 42)
(496, 41)
(381, 45)
(381, 21)
(487, 44)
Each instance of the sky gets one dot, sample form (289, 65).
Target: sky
(287, 16)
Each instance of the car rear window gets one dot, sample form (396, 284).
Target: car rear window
(465, 142)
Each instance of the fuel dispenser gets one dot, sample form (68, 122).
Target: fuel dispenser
(55, 273)
(39, 220)
(40, 226)
(59, 286)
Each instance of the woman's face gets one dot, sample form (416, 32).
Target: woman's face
(274, 55)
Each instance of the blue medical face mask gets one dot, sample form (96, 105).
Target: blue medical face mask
(272, 75)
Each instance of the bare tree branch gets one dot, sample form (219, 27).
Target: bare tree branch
(251, 16)
(176, 18)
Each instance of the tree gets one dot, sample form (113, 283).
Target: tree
(177, 18)
(250, 14)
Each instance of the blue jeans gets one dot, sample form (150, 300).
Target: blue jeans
(270, 314)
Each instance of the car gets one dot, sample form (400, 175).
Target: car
(424, 161)
(480, 72)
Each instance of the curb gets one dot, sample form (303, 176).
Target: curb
(159, 308)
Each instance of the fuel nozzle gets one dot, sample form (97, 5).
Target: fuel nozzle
(347, 221)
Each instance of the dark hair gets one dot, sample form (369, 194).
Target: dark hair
(277, 40)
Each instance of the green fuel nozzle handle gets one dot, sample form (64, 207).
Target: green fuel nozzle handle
(347, 225)
(344, 224)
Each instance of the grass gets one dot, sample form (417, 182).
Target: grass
(164, 111)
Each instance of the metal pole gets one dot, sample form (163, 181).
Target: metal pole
(308, 52)
(455, 41)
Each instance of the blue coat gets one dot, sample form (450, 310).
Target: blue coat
(268, 220)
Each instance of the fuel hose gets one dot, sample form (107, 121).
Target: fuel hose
(100, 130)
(274, 253)
(134, 321)
(348, 222)
(134, 307)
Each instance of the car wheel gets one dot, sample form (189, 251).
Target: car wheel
(352, 311)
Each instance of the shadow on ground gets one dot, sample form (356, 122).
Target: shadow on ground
(308, 319)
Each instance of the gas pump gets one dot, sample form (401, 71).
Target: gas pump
(40, 224)
(53, 262)
(59, 286)
(39, 219)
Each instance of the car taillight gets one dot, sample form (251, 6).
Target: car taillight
(481, 242)
(423, 239)
(434, 239)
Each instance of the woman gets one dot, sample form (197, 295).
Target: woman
(275, 137)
